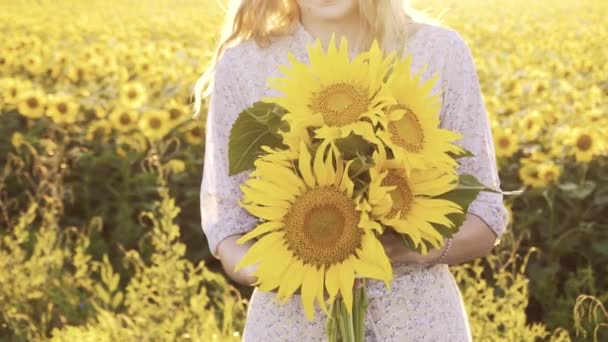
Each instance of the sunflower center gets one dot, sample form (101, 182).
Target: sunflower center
(584, 142)
(402, 195)
(196, 132)
(125, 119)
(174, 113)
(62, 108)
(132, 94)
(407, 132)
(341, 103)
(155, 123)
(322, 226)
(32, 102)
(504, 142)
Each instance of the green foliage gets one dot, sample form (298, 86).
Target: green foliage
(596, 319)
(568, 225)
(52, 287)
(495, 292)
(255, 127)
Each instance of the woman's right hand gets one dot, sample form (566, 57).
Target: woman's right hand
(230, 253)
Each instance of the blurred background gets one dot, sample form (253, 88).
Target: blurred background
(101, 163)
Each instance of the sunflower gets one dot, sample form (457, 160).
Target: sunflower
(77, 72)
(33, 63)
(136, 142)
(177, 112)
(506, 143)
(411, 128)
(549, 173)
(195, 132)
(584, 145)
(7, 60)
(528, 173)
(133, 94)
(413, 210)
(531, 125)
(316, 233)
(333, 95)
(62, 109)
(13, 89)
(123, 119)
(557, 139)
(31, 103)
(99, 129)
(155, 124)
(101, 111)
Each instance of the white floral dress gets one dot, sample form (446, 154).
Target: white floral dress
(424, 304)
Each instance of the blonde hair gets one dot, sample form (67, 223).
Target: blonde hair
(384, 20)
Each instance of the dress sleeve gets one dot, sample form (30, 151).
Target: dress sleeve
(463, 111)
(221, 215)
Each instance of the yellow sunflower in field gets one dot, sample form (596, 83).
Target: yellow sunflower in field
(333, 95)
(6, 62)
(412, 210)
(584, 144)
(178, 112)
(154, 124)
(63, 109)
(528, 173)
(194, 132)
(316, 233)
(123, 119)
(133, 94)
(411, 129)
(31, 103)
(531, 125)
(549, 172)
(506, 143)
(99, 130)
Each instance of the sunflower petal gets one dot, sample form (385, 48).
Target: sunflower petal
(305, 167)
(260, 229)
(347, 281)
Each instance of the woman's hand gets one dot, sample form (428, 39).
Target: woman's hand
(230, 253)
(399, 254)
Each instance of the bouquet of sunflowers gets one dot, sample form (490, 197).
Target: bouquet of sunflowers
(351, 148)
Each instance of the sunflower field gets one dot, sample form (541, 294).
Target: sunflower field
(101, 163)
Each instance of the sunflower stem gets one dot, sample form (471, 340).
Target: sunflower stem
(331, 327)
(357, 314)
(351, 327)
(342, 318)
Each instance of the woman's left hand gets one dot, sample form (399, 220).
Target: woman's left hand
(399, 254)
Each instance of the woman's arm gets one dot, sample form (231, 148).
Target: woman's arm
(463, 111)
(223, 220)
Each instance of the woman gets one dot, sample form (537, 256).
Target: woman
(425, 303)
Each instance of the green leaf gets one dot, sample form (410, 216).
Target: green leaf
(465, 153)
(255, 127)
(353, 145)
(466, 191)
(464, 194)
(576, 191)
